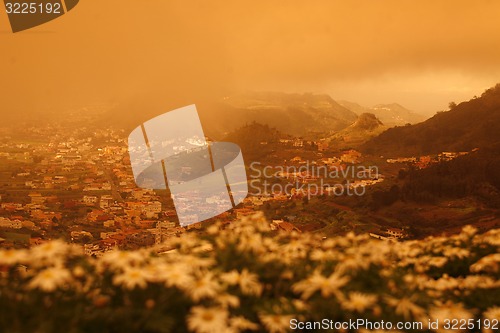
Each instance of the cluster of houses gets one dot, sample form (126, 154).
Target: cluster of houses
(422, 162)
(350, 156)
(330, 174)
(322, 145)
(78, 184)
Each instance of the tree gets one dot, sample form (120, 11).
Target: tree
(452, 105)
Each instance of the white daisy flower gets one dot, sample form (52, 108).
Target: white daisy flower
(122, 259)
(49, 250)
(228, 301)
(358, 302)
(251, 242)
(405, 307)
(491, 314)
(276, 323)
(242, 324)
(248, 282)
(449, 311)
(208, 320)
(50, 279)
(175, 275)
(203, 287)
(317, 282)
(12, 257)
(131, 278)
(489, 263)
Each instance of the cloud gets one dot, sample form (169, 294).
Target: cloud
(182, 51)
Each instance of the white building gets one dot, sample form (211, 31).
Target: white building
(153, 207)
(89, 199)
(106, 201)
(7, 223)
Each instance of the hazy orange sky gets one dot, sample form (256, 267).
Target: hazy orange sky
(421, 54)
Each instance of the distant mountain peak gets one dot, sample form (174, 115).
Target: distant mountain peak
(299, 114)
(389, 105)
(391, 114)
(368, 122)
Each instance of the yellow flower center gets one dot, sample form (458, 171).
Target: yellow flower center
(208, 316)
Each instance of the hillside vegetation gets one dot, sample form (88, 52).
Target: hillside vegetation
(392, 114)
(295, 114)
(469, 125)
(364, 128)
(244, 277)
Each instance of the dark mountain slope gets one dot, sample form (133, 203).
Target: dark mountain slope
(256, 140)
(471, 124)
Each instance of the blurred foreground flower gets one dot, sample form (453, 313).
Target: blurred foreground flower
(246, 277)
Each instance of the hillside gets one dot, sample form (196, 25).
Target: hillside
(471, 124)
(367, 122)
(254, 133)
(392, 114)
(364, 128)
(255, 140)
(308, 115)
(473, 174)
(295, 114)
(395, 114)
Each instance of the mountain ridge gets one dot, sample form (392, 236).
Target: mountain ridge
(391, 114)
(364, 128)
(471, 124)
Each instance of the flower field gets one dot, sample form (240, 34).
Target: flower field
(247, 278)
